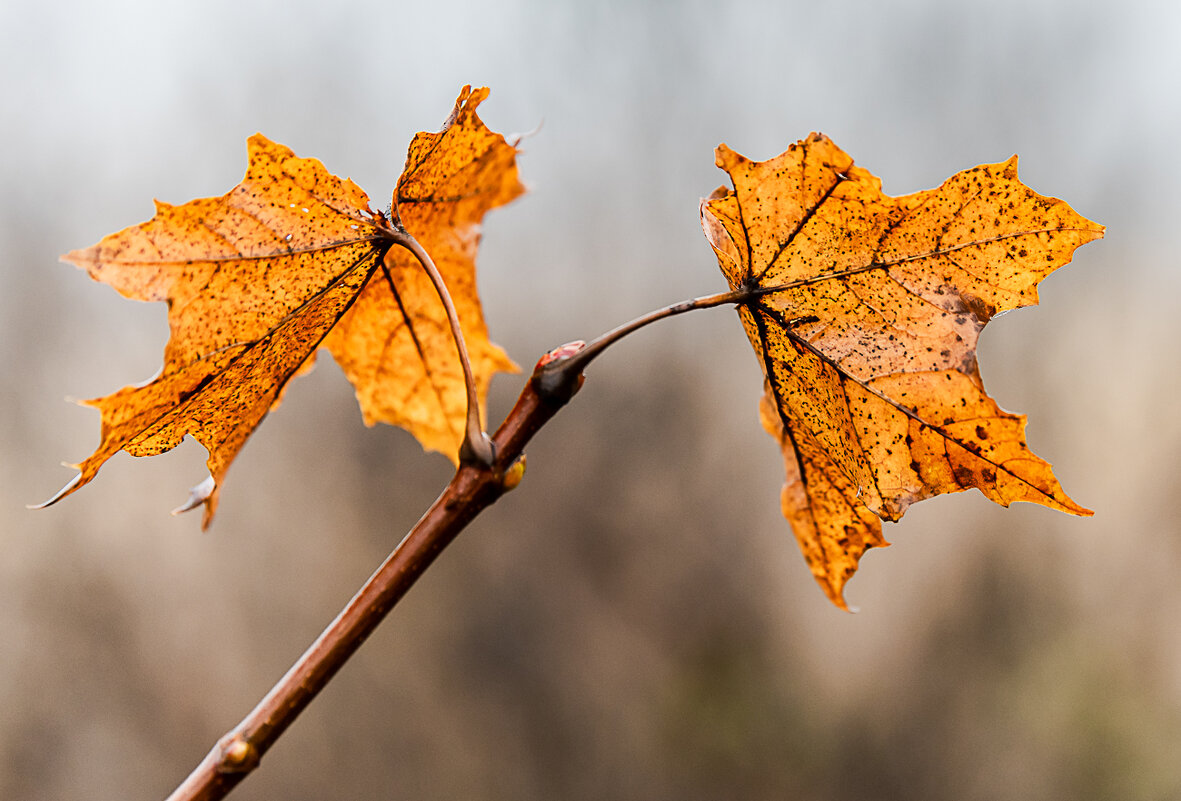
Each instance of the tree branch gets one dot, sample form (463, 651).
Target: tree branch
(473, 488)
(476, 485)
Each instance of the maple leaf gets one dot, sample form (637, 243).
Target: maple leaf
(864, 311)
(292, 259)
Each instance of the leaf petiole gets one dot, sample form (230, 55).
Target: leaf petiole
(556, 376)
(477, 446)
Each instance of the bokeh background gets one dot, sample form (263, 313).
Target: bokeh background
(635, 621)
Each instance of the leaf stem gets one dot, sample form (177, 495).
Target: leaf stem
(476, 447)
(576, 363)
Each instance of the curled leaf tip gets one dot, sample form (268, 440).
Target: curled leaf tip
(198, 495)
(467, 101)
(515, 139)
(70, 486)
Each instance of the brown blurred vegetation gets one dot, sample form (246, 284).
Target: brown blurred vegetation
(635, 620)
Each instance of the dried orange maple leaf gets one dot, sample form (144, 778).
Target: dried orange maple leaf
(864, 314)
(292, 259)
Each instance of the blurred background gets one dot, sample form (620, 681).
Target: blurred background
(635, 621)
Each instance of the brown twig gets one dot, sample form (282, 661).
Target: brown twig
(473, 488)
